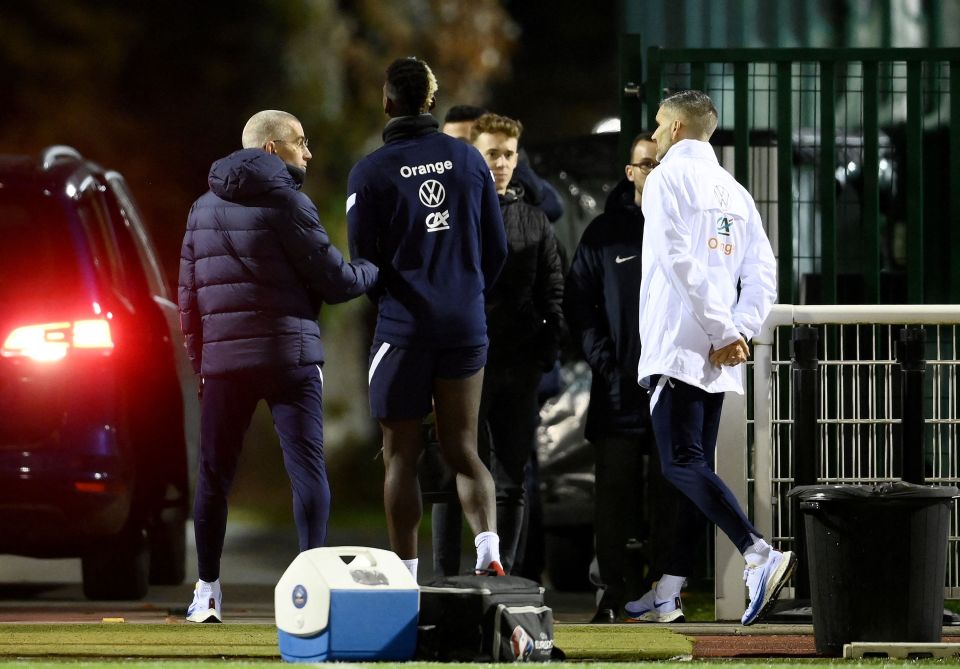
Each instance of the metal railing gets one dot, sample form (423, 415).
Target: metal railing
(858, 436)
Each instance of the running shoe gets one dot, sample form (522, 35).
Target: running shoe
(764, 583)
(493, 569)
(205, 607)
(650, 609)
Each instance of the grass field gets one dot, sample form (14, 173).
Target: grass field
(259, 642)
(170, 646)
(725, 664)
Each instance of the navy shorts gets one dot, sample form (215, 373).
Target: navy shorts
(401, 379)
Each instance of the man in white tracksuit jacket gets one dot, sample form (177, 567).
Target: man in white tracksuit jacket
(703, 237)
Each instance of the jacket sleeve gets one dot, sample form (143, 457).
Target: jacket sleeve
(362, 226)
(190, 322)
(324, 269)
(361, 222)
(671, 240)
(583, 308)
(758, 280)
(548, 293)
(493, 236)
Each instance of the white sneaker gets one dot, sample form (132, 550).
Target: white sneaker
(205, 607)
(764, 583)
(649, 609)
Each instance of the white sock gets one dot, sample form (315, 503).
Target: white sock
(669, 586)
(758, 553)
(488, 549)
(209, 585)
(412, 566)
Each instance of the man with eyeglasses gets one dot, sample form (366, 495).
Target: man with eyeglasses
(600, 303)
(255, 266)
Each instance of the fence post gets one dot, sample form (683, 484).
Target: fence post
(913, 364)
(806, 443)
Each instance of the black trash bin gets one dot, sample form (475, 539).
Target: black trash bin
(877, 561)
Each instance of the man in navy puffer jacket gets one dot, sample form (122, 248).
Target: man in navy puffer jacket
(255, 267)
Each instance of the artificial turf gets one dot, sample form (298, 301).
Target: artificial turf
(245, 641)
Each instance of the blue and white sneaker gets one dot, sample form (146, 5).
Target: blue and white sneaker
(205, 607)
(649, 609)
(764, 583)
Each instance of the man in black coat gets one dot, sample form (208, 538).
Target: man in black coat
(524, 324)
(601, 305)
(255, 266)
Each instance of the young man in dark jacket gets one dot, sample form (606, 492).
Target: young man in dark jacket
(255, 266)
(424, 208)
(536, 190)
(601, 302)
(524, 323)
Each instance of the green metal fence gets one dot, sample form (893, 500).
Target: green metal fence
(853, 157)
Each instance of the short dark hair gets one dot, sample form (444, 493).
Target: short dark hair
(458, 113)
(697, 110)
(642, 137)
(411, 86)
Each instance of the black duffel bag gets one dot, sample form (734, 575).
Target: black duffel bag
(484, 619)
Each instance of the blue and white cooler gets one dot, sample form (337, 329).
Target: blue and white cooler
(347, 603)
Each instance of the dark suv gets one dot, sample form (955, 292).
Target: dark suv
(94, 384)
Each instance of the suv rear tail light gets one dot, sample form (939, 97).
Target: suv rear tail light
(49, 342)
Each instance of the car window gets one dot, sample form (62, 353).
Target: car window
(96, 223)
(128, 256)
(39, 256)
(138, 236)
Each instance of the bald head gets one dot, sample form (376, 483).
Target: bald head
(280, 134)
(266, 126)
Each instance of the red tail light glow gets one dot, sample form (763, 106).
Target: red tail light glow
(92, 334)
(90, 486)
(50, 342)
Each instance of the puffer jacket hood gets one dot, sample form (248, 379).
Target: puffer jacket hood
(247, 173)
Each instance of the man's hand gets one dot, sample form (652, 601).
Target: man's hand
(730, 355)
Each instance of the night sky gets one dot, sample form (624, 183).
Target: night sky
(565, 68)
(158, 91)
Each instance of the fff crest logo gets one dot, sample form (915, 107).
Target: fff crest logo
(723, 226)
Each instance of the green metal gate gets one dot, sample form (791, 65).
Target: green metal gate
(853, 157)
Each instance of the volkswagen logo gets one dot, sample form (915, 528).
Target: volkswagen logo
(432, 193)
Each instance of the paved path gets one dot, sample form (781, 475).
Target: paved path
(49, 591)
(254, 559)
